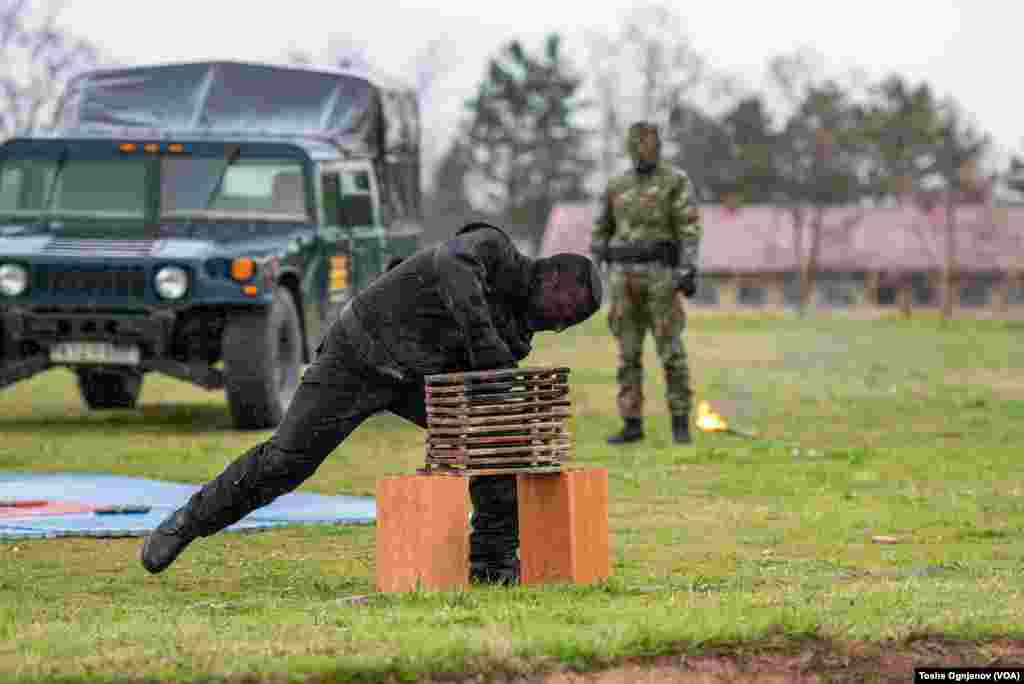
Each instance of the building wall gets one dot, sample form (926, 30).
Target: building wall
(983, 293)
(746, 291)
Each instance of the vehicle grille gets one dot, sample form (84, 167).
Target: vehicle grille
(94, 282)
(106, 248)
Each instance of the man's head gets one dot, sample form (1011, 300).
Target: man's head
(565, 290)
(644, 145)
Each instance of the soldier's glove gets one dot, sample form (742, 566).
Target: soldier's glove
(599, 250)
(685, 280)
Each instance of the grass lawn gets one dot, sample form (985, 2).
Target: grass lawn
(907, 429)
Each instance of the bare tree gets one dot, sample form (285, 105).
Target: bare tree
(37, 59)
(347, 52)
(658, 48)
(960, 148)
(432, 63)
(427, 69)
(342, 52)
(647, 69)
(818, 153)
(791, 76)
(430, 66)
(606, 81)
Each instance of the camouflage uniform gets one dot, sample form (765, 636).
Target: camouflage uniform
(641, 207)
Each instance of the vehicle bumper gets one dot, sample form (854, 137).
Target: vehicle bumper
(40, 330)
(32, 334)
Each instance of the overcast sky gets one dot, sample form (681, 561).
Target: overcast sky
(966, 49)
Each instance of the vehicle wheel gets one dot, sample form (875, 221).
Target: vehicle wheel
(262, 354)
(109, 389)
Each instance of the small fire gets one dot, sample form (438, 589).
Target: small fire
(708, 420)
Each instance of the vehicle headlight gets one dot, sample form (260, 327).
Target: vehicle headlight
(13, 279)
(171, 282)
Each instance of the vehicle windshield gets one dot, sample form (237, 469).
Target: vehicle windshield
(191, 188)
(93, 188)
(219, 188)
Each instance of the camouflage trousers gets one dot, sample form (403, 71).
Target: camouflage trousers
(642, 301)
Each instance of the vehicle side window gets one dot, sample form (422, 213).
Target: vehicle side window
(23, 185)
(11, 182)
(267, 189)
(356, 202)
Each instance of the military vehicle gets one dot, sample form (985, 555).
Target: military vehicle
(202, 220)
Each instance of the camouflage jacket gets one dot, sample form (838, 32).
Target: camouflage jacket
(651, 207)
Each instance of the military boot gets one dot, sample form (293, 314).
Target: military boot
(166, 542)
(681, 429)
(632, 431)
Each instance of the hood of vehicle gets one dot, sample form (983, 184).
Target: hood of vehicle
(59, 247)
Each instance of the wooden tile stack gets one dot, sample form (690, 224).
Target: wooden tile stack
(498, 422)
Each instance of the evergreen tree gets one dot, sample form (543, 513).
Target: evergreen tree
(523, 144)
(904, 125)
(755, 173)
(704, 149)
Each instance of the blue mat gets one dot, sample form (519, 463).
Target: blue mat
(162, 497)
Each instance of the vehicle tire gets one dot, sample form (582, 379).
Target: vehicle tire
(262, 354)
(109, 389)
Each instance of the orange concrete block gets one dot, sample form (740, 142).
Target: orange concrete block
(422, 532)
(563, 527)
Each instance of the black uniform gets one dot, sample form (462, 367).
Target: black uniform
(463, 305)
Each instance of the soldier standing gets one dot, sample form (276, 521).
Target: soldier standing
(649, 234)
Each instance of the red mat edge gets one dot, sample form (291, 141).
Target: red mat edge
(37, 507)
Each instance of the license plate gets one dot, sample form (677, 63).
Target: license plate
(94, 352)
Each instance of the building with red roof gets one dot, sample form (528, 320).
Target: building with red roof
(869, 257)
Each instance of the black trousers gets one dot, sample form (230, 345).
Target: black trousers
(336, 395)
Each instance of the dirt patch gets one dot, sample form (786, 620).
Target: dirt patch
(749, 349)
(1005, 384)
(786, 660)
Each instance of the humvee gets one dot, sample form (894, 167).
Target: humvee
(202, 220)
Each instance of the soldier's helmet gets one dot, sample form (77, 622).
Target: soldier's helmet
(637, 132)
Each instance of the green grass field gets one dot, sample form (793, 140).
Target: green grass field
(907, 429)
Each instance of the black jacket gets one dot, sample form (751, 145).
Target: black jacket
(458, 306)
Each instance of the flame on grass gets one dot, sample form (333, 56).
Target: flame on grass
(709, 420)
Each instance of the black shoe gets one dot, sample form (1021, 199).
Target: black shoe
(681, 429)
(506, 574)
(166, 542)
(632, 432)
